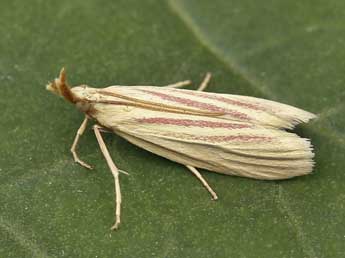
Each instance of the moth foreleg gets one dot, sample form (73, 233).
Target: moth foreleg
(203, 181)
(205, 82)
(115, 173)
(75, 143)
(179, 84)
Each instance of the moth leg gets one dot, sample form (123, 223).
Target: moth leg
(115, 173)
(179, 84)
(203, 181)
(104, 130)
(205, 82)
(75, 143)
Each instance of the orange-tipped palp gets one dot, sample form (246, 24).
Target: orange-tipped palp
(62, 76)
(60, 87)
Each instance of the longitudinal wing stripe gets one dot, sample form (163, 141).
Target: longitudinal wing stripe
(198, 104)
(222, 99)
(192, 122)
(244, 138)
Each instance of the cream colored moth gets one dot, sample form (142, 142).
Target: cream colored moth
(228, 134)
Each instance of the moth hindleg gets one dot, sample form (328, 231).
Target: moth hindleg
(203, 181)
(179, 84)
(205, 82)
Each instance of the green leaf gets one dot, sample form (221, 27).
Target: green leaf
(287, 51)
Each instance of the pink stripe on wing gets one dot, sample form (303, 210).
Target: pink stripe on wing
(197, 104)
(191, 122)
(219, 138)
(241, 138)
(222, 99)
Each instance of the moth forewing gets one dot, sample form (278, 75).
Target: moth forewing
(234, 107)
(229, 134)
(251, 152)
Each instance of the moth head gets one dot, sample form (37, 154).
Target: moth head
(61, 88)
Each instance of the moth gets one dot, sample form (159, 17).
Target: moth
(228, 134)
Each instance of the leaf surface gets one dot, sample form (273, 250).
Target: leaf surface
(287, 51)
